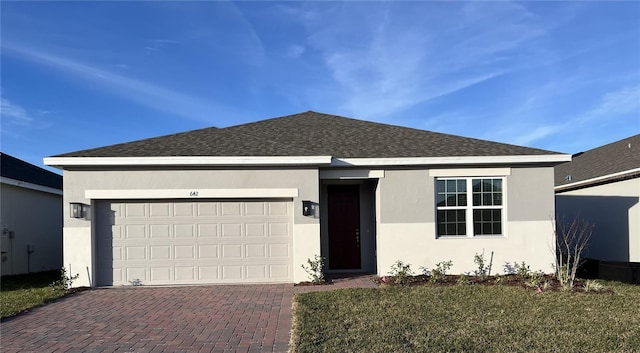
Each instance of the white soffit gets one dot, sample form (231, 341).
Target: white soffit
(189, 194)
(469, 172)
(187, 161)
(546, 158)
(351, 174)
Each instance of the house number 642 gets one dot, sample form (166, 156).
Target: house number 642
(193, 193)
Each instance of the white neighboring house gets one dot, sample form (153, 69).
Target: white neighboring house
(30, 217)
(252, 203)
(602, 185)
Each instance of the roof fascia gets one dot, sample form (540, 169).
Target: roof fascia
(187, 161)
(31, 186)
(476, 160)
(609, 177)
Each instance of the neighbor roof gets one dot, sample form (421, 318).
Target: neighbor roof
(310, 134)
(620, 159)
(17, 169)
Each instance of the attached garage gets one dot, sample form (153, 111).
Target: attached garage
(161, 242)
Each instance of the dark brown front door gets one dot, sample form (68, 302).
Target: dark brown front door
(344, 226)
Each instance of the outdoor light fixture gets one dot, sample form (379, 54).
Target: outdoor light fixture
(306, 208)
(78, 210)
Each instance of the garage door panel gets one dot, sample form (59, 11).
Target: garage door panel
(135, 210)
(255, 230)
(133, 231)
(208, 252)
(160, 231)
(208, 230)
(160, 274)
(160, 252)
(207, 209)
(209, 273)
(278, 229)
(232, 272)
(255, 209)
(279, 250)
(231, 209)
(160, 209)
(185, 209)
(231, 230)
(195, 242)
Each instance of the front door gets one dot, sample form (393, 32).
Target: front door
(343, 202)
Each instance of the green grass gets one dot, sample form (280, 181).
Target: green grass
(469, 318)
(21, 292)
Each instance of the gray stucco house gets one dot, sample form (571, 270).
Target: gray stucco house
(30, 217)
(253, 202)
(602, 186)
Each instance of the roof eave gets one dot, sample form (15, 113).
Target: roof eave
(61, 162)
(453, 160)
(609, 178)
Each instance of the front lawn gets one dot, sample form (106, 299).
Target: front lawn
(467, 318)
(21, 292)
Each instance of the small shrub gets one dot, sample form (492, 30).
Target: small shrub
(463, 279)
(483, 269)
(439, 273)
(509, 269)
(65, 281)
(523, 270)
(314, 269)
(591, 285)
(534, 279)
(401, 272)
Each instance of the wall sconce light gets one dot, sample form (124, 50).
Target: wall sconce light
(306, 208)
(78, 210)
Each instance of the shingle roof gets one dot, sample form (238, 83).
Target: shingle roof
(310, 134)
(616, 157)
(17, 169)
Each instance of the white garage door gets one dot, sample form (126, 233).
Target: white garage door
(177, 242)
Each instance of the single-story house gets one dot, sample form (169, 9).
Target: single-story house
(602, 186)
(30, 217)
(253, 202)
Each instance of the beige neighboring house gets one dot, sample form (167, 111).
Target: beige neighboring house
(602, 185)
(251, 203)
(30, 217)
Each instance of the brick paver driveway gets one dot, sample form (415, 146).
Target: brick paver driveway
(229, 318)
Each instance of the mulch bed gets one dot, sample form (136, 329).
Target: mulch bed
(552, 284)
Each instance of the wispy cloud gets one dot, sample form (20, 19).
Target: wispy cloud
(147, 94)
(393, 60)
(14, 114)
(613, 106)
(157, 44)
(623, 101)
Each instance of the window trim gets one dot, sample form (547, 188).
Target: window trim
(469, 208)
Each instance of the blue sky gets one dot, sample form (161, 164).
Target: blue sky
(562, 76)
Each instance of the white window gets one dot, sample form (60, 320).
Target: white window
(469, 206)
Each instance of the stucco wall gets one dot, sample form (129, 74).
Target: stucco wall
(35, 217)
(407, 229)
(614, 210)
(78, 234)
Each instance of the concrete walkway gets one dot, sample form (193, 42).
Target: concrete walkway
(217, 318)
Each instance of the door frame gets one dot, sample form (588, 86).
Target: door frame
(367, 197)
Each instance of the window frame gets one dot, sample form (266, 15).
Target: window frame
(469, 208)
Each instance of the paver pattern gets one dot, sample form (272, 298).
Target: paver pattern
(216, 318)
